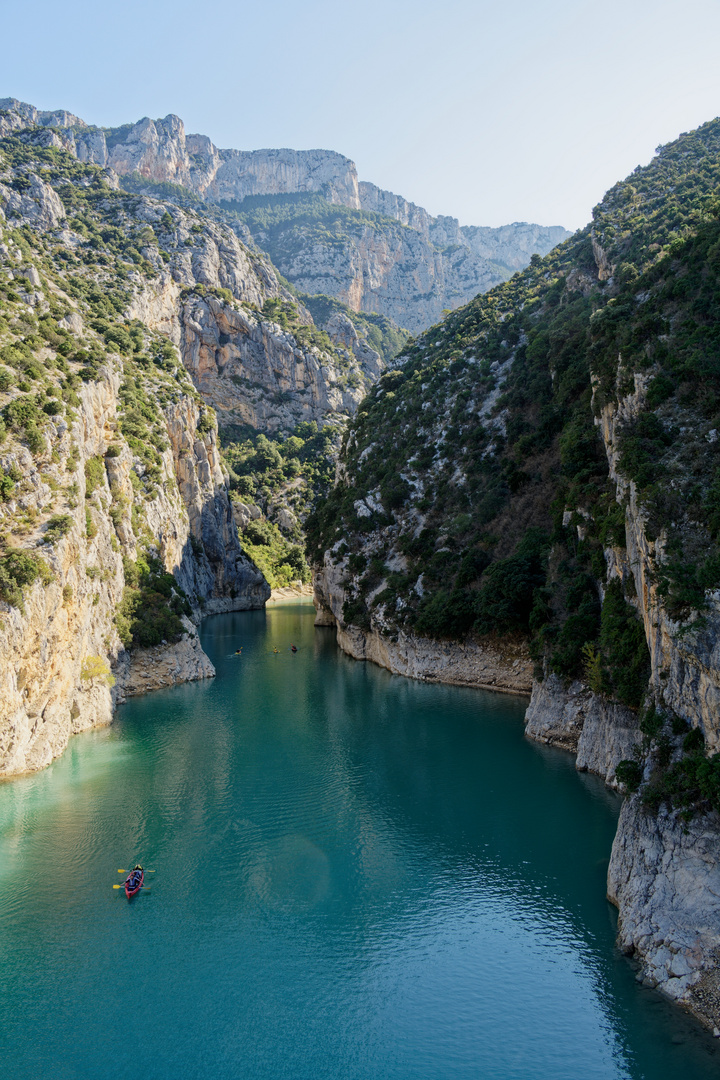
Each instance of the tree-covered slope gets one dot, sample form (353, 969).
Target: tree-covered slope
(475, 494)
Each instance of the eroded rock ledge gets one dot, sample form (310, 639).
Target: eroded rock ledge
(507, 668)
(601, 733)
(165, 665)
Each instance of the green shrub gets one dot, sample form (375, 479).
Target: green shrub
(642, 444)
(689, 785)
(206, 423)
(18, 570)
(279, 560)
(624, 648)
(94, 475)
(57, 527)
(508, 586)
(630, 774)
(35, 440)
(7, 486)
(152, 604)
(259, 531)
(21, 411)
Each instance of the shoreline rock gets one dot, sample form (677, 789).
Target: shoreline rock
(664, 877)
(485, 666)
(142, 670)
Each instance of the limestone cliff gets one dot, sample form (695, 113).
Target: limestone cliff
(67, 614)
(664, 877)
(664, 873)
(601, 733)
(213, 298)
(387, 255)
(115, 517)
(106, 279)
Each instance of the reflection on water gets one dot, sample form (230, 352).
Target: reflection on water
(357, 876)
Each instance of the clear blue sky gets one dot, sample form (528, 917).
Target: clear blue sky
(493, 112)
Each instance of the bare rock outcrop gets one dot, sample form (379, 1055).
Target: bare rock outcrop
(253, 372)
(664, 877)
(556, 712)
(601, 733)
(164, 665)
(36, 205)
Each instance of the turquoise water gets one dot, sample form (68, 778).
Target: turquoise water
(357, 877)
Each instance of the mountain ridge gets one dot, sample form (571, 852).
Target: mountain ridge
(439, 264)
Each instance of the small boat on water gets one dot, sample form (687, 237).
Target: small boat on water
(134, 881)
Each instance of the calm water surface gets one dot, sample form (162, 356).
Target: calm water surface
(358, 877)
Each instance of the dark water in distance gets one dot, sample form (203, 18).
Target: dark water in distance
(358, 877)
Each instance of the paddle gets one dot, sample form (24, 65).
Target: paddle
(146, 871)
(146, 887)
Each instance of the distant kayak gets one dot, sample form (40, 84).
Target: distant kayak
(134, 882)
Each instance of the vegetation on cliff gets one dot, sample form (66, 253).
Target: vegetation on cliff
(475, 494)
(281, 478)
(65, 285)
(91, 250)
(672, 766)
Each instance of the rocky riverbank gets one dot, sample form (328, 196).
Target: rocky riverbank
(502, 665)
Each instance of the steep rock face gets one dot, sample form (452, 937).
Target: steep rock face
(506, 667)
(69, 619)
(37, 206)
(601, 733)
(685, 667)
(341, 330)
(152, 669)
(252, 372)
(610, 734)
(556, 713)
(664, 877)
(512, 246)
(395, 259)
(378, 201)
(664, 873)
(244, 364)
(220, 576)
(43, 699)
(386, 268)
(160, 150)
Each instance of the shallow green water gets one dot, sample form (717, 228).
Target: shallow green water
(358, 876)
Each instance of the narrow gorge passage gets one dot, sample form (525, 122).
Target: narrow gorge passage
(358, 876)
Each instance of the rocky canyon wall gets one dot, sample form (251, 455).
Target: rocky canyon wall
(66, 622)
(394, 258)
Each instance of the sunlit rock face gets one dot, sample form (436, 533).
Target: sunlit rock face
(392, 257)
